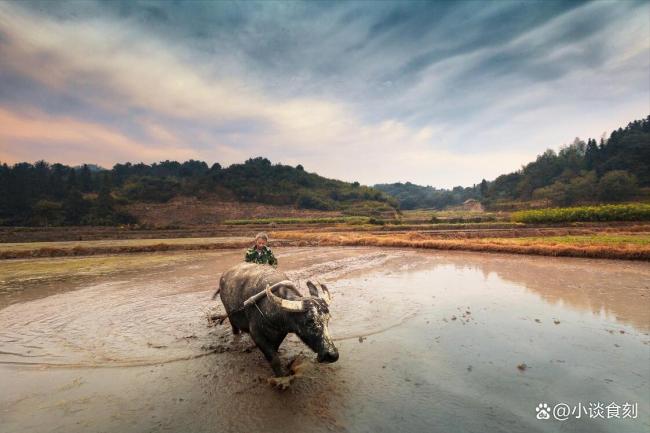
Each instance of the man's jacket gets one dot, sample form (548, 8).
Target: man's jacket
(264, 256)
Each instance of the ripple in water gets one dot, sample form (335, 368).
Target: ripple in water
(128, 323)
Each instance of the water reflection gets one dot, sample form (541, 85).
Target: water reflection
(619, 290)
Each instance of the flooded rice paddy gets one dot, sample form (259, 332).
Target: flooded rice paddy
(428, 341)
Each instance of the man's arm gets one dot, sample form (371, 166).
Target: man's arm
(272, 260)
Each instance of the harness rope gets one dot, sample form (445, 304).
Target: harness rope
(253, 301)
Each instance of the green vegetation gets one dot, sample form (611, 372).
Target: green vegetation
(431, 216)
(411, 196)
(591, 172)
(624, 212)
(616, 169)
(44, 195)
(613, 170)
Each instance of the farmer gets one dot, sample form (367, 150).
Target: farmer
(260, 253)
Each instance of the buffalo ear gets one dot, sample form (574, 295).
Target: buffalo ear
(313, 291)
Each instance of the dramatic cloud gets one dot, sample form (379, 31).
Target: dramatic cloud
(436, 93)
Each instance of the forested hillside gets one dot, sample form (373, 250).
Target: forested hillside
(411, 196)
(607, 171)
(44, 194)
(610, 170)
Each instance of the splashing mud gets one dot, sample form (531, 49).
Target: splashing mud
(428, 340)
(298, 367)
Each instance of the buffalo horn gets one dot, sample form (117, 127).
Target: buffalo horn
(285, 304)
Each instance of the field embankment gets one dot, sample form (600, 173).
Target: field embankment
(612, 245)
(614, 241)
(123, 246)
(608, 231)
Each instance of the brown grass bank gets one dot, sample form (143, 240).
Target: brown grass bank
(593, 246)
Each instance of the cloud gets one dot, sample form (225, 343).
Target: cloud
(392, 92)
(34, 136)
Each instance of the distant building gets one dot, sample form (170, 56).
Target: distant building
(472, 205)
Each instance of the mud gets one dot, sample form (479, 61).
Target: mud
(429, 341)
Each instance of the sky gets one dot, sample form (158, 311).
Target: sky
(435, 93)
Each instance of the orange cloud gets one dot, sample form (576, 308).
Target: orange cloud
(70, 140)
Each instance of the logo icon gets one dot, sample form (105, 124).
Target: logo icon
(543, 410)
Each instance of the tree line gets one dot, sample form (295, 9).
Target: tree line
(609, 170)
(412, 196)
(56, 194)
(605, 171)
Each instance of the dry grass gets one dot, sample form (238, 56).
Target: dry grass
(609, 247)
(599, 240)
(190, 211)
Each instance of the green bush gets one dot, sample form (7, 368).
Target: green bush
(311, 201)
(150, 189)
(621, 212)
(617, 185)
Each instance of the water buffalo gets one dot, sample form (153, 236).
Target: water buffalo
(274, 308)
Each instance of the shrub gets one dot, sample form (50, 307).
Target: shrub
(617, 185)
(309, 201)
(621, 212)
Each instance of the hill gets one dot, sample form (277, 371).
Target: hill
(55, 194)
(170, 192)
(612, 170)
(412, 196)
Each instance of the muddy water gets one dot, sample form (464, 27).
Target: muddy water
(429, 341)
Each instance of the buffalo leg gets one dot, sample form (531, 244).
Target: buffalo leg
(270, 350)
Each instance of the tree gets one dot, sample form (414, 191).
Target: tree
(582, 188)
(41, 173)
(617, 185)
(484, 188)
(104, 203)
(591, 154)
(71, 181)
(47, 212)
(75, 207)
(626, 149)
(56, 181)
(85, 179)
(555, 194)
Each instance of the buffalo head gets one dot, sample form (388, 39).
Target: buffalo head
(309, 319)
